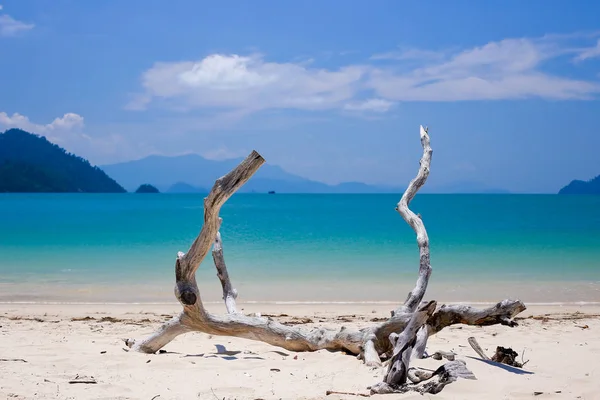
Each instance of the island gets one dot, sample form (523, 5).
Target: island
(582, 187)
(147, 188)
(30, 163)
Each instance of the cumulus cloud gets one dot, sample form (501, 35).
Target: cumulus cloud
(68, 122)
(506, 69)
(12, 27)
(248, 82)
(69, 132)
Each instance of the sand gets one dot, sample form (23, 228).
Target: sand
(52, 344)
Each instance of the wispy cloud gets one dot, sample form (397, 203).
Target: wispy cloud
(590, 52)
(12, 27)
(409, 54)
(506, 69)
(375, 105)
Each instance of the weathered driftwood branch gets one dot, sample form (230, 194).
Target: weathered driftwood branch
(195, 318)
(501, 313)
(403, 334)
(186, 289)
(229, 293)
(403, 345)
(424, 381)
(416, 295)
(473, 342)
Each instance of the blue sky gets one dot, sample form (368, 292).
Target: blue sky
(333, 91)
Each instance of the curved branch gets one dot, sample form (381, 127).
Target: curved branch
(501, 313)
(186, 288)
(167, 332)
(229, 293)
(293, 338)
(416, 295)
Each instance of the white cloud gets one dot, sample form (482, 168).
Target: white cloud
(66, 131)
(506, 69)
(11, 27)
(591, 52)
(67, 122)
(374, 105)
(248, 82)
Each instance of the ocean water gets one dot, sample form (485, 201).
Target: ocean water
(283, 247)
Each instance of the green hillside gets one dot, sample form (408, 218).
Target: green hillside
(30, 163)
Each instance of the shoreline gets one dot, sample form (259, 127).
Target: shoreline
(309, 292)
(299, 303)
(294, 308)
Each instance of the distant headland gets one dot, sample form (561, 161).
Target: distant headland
(30, 163)
(582, 187)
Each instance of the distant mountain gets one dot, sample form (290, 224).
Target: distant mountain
(146, 188)
(30, 163)
(182, 187)
(582, 187)
(194, 174)
(189, 173)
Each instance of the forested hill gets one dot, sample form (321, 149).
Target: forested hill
(30, 163)
(582, 187)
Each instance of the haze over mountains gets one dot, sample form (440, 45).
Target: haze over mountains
(30, 163)
(192, 173)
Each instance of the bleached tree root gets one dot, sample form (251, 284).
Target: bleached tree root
(425, 381)
(229, 293)
(403, 335)
(403, 345)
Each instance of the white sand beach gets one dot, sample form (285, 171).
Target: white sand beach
(44, 346)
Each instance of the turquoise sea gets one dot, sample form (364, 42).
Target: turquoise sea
(283, 247)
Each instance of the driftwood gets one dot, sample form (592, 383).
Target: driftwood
(229, 293)
(423, 381)
(503, 355)
(398, 338)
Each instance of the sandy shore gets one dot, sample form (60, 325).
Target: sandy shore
(43, 347)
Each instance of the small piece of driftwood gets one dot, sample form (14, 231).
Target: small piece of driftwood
(83, 379)
(503, 355)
